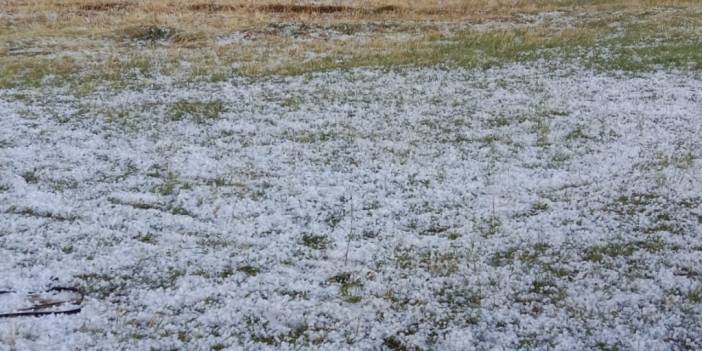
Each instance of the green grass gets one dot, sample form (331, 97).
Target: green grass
(488, 226)
(168, 187)
(249, 270)
(600, 253)
(30, 177)
(316, 242)
(695, 295)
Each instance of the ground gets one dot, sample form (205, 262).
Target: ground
(496, 189)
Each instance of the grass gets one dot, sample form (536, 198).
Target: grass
(30, 177)
(349, 286)
(644, 38)
(149, 33)
(168, 187)
(315, 242)
(488, 226)
(695, 295)
(600, 253)
(436, 262)
(198, 111)
(249, 270)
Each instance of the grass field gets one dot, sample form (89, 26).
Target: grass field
(362, 175)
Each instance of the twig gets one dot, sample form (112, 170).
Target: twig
(33, 310)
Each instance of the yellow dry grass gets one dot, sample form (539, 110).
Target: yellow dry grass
(41, 38)
(44, 17)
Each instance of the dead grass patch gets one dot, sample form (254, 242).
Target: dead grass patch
(211, 7)
(105, 6)
(327, 9)
(285, 37)
(149, 33)
(307, 9)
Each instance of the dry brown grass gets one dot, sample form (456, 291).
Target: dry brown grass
(25, 19)
(99, 15)
(36, 35)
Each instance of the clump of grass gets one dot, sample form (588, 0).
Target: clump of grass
(316, 242)
(349, 286)
(394, 343)
(218, 182)
(634, 203)
(28, 211)
(35, 72)
(503, 258)
(311, 137)
(150, 33)
(535, 209)
(599, 253)
(147, 238)
(543, 131)
(119, 117)
(227, 272)
(488, 226)
(291, 103)
(168, 186)
(199, 111)
(249, 270)
(499, 122)
(433, 261)
(695, 295)
(684, 159)
(578, 133)
(547, 288)
(30, 177)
